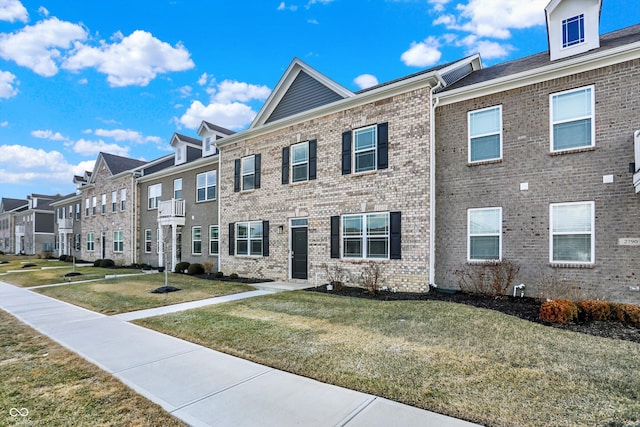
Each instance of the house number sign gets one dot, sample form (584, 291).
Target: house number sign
(629, 241)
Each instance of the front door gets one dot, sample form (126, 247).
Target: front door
(103, 245)
(299, 249)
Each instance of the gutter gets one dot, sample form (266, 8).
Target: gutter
(432, 180)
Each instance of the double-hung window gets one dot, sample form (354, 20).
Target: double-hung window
(94, 204)
(118, 241)
(365, 145)
(365, 236)
(249, 238)
(248, 170)
(123, 199)
(485, 134)
(114, 201)
(572, 233)
(573, 31)
(484, 228)
(90, 241)
(154, 195)
(104, 204)
(77, 211)
(77, 242)
(147, 241)
(196, 240)
(572, 119)
(86, 207)
(206, 186)
(300, 162)
(214, 240)
(177, 188)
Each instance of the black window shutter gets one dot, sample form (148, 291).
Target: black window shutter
(285, 165)
(346, 153)
(335, 237)
(236, 176)
(395, 246)
(265, 238)
(383, 145)
(313, 158)
(258, 159)
(232, 238)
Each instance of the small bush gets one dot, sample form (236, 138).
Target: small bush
(181, 267)
(107, 263)
(219, 274)
(208, 266)
(371, 278)
(195, 268)
(336, 274)
(594, 310)
(492, 278)
(97, 263)
(62, 258)
(233, 276)
(559, 311)
(626, 313)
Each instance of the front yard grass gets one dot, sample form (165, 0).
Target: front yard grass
(125, 294)
(38, 277)
(15, 262)
(57, 387)
(470, 363)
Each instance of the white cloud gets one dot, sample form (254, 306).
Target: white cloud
(231, 116)
(92, 148)
(20, 164)
(230, 91)
(283, 6)
(43, 11)
(133, 60)
(438, 5)
(37, 47)
(48, 134)
(365, 81)
(125, 135)
(422, 54)
(203, 79)
(185, 91)
(4, 124)
(7, 85)
(13, 10)
(312, 21)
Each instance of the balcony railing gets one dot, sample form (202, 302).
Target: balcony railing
(171, 209)
(65, 223)
(19, 229)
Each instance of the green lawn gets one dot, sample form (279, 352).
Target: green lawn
(38, 276)
(59, 388)
(124, 294)
(463, 361)
(15, 262)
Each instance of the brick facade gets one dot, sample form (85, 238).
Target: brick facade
(402, 187)
(567, 177)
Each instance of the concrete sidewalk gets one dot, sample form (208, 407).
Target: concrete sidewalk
(200, 386)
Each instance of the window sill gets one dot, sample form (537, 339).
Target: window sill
(365, 173)
(484, 162)
(483, 261)
(572, 151)
(205, 201)
(363, 260)
(571, 265)
(249, 256)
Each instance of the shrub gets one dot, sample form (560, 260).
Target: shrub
(181, 267)
(626, 313)
(550, 287)
(219, 274)
(594, 310)
(107, 263)
(371, 278)
(559, 311)
(208, 266)
(195, 268)
(233, 276)
(336, 274)
(97, 262)
(63, 258)
(488, 278)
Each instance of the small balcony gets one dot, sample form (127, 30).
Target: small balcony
(20, 230)
(65, 225)
(171, 212)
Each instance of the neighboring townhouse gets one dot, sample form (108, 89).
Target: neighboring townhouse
(179, 202)
(68, 225)
(8, 209)
(108, 198)
(327, 176)
(34, 226)
(535, 162)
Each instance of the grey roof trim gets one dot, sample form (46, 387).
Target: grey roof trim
(184, 167)
(67, 199)
(195, 143)
(211, 127)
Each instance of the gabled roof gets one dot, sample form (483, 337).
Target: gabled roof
(178, 137)
(7, 204)
(119, 164)
(206, 126)
(300, 88)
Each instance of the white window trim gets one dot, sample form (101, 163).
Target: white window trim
(153, 202)
(104, 203)
(123, 199)
(94, 204)
(114, 201)
(206, 186)
(469, 137)
(563, 30)
(118, 239)
(499, 234)
(592, 233)
(242, 174)
(364, 237)
(181, 154)
(175, 189)
(592, 117)
(299, 163)
(91, 240)
(374, 149)
(211, 227)
(193, 240)
(147, 240)
(248, 239)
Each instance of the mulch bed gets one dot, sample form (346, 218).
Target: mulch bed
(524, 308)
(245, 280)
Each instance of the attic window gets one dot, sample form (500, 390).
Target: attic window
(181, 156)
(573, 31)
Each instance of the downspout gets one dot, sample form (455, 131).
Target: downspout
(134, 248)
(219, 175)
(432, 181)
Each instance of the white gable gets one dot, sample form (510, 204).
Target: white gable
(573, 27)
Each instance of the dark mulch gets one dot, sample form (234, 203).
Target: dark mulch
(165, 290)
(246, 280)
(524, 308)
(72, 274)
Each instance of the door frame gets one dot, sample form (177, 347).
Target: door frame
(291, 227)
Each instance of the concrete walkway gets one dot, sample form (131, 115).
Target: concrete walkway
(201, 386)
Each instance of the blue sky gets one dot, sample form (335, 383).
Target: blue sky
(80, 77)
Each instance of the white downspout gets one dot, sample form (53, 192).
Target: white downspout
(219, 175)
(432, 182)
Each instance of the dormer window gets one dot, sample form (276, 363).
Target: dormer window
(208, 146)
(573, 31)
(181, 154)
